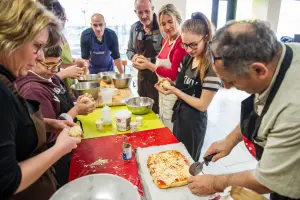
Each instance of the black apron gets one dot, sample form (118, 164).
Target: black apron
(250, 120)
(189, 123)
(146, 78)
(62, 166)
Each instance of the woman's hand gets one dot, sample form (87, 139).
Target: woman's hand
(165, 88)
(65, 143)
(56, 126)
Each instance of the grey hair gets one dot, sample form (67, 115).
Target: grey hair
(135, 2)
(239, 49)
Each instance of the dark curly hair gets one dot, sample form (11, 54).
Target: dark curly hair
(240, 48)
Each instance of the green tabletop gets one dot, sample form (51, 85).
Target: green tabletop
(150, 121)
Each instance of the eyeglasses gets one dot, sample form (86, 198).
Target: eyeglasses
(39, 47)
(51, 65)
(192, 45)
(213, 58)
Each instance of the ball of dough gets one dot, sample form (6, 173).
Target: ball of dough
(75, 131)
(85, 99)
(164, 84)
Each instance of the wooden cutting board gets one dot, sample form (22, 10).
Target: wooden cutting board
(119, 96)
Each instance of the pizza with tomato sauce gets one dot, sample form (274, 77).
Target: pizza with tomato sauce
(169, 168)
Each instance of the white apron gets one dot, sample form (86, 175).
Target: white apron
(166, 102)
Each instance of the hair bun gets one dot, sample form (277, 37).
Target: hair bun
(196, 15)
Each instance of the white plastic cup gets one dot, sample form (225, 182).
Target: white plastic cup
(133, 126)
(107, 94)
(99, 125)
(123, 119)
(139, 121)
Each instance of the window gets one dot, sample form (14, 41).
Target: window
(119, 16)
(289, 18)
(204, 6)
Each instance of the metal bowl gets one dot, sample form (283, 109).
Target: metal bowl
(139, 105)
(98, 186)
(85, 87)
(90, 78)
(121, 81)
(106, 76)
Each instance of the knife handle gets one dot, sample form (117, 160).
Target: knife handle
(208, 158)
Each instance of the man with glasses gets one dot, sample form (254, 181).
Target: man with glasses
(100, 46)
(248, 56)
(145, 40)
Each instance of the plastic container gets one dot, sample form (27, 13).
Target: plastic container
(123, 119)
(133, 126)
(106, 116)
(139, 120)
(107, 94)
(99, 125)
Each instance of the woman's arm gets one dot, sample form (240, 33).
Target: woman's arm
(172, 72)
(34, 167)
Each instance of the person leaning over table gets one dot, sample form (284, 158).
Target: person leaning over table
(145, 39)
(168, 59)
(100, 46)
(42, 85)
(25, 29)
(248, 56)
(196, 85)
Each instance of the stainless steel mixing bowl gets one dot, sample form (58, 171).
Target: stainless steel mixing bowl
(139, 105)
(121, 81)
(85, 87)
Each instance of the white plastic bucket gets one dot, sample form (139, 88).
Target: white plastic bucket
(123, 119)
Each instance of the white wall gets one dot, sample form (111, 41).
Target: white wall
(180, 5)
(268, 10)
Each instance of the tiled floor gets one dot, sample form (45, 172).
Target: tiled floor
(223, 116)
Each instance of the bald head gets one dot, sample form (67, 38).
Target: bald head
(98, 25)
(240, 28)
(241, 43)
(137, 2)
(97, 17)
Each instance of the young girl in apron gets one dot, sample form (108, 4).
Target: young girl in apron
(168, 59)
(195, 87)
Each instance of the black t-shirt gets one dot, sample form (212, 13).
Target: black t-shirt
(18, 137)
(188, 79)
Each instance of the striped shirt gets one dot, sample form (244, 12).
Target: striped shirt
(189, 78)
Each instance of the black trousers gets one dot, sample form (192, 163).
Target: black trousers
(189, 128)
(62, 168)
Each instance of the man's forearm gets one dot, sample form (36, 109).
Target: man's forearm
(242, 179)
(118, 63)
(235, 136)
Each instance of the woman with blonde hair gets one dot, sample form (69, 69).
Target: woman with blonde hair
(25, 29)
(169, 58)
(196, 85)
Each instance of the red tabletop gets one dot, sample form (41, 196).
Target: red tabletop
(110, 148)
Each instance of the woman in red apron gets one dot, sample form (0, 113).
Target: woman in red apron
(25, 164)
(168, 59)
